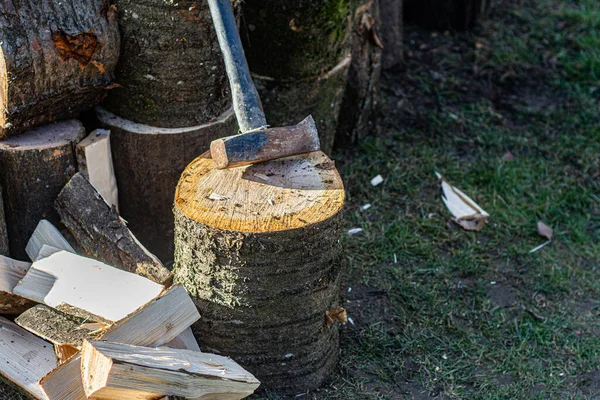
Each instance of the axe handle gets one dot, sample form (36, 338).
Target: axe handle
(246, 102)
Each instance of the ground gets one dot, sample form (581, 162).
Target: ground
(441, 313)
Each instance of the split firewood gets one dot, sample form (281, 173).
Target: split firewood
(3, 233)
(64, 352)
(102, 233)
(94, 160)
(155, 324)
(57, 59)
(466, 212)
(46, 234)
(24, 358)
(185, 341)
(81, 282)
(115, 371)
(11, 272)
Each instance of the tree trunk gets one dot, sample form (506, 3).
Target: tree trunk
(391, 32)
(3, 233)
(445, 14)
(58, 59)
(171, 70)
(361, 96)
(148, 162)
(34, 167)
(258, 249)
(298, 53)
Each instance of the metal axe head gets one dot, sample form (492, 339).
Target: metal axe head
(265, 144)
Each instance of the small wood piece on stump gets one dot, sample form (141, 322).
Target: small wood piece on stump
(121, 371)
(392, 32)
(3, 233)
(155, 324)
(101, 232)
(94, 159)
(24, 358)
(11, 272)
(57, 60)
(258, 249)
(34, 167)
(46, 234)
(148, 163)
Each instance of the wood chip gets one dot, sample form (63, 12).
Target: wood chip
(466, 212)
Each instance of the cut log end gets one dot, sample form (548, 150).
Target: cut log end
(277, 195)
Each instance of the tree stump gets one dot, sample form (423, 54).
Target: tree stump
(3, 233)
(445, 14)
(258, 249)
(361, 96)
(171, 70)
(148, 162)
(298, 53)
(57, 59)
(392, 32)
(34, 167)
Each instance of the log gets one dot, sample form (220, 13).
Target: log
(148, 163)
(3, 233)
(102, 233)
(11, 272)
(156, 324)
(445, 14)
(46, 234)
(94, 161)
(258, 249)
(57, 60)
(392, 32)
(358, 111)
(66, 278)
(171, 72)
(34, 167)
(121, 371)
(24, 358)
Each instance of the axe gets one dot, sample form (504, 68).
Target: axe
(257, 142)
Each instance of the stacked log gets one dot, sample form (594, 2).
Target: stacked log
(258, 250)
(298, 53)
(172, 101)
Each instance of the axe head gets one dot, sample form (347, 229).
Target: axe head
(265, 144)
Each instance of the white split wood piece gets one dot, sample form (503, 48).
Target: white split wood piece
(105, 291)
(96, 163)
(185, 341)
(24, 357)
(11, 272)
(115, 371)
(46, 234)
(466, 212)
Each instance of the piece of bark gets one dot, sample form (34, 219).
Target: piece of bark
(4, 251)
(11, 272)
(24, 358)
(34, 167)
(289, 102)
(358, 110)
(392, 27)
(115, 371)
(156, 324)
(258, 249)
(57, 59)
(148, 163)
(81, 282)
(171, 72)
(94, 160)
(46, 234)
(102, 233)
(445, 14)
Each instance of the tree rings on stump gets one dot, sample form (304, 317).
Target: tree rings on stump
(148, 162)
(258, 249)
(34, 167)
(289, 102)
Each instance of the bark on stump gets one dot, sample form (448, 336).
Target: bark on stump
(392, 27)
(359, 107)
(148, 163)
(34, 167)
(258, 249)
(56, 60)
(3, 233)
(171, 70)
(298, 53)
(445, 14)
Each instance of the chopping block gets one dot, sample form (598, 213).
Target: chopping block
(258, 249)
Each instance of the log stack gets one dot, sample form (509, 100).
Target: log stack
(172, 101)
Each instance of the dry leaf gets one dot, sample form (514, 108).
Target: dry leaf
(544, 230)
(337, 314)
(466, 212)
(508, 156)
